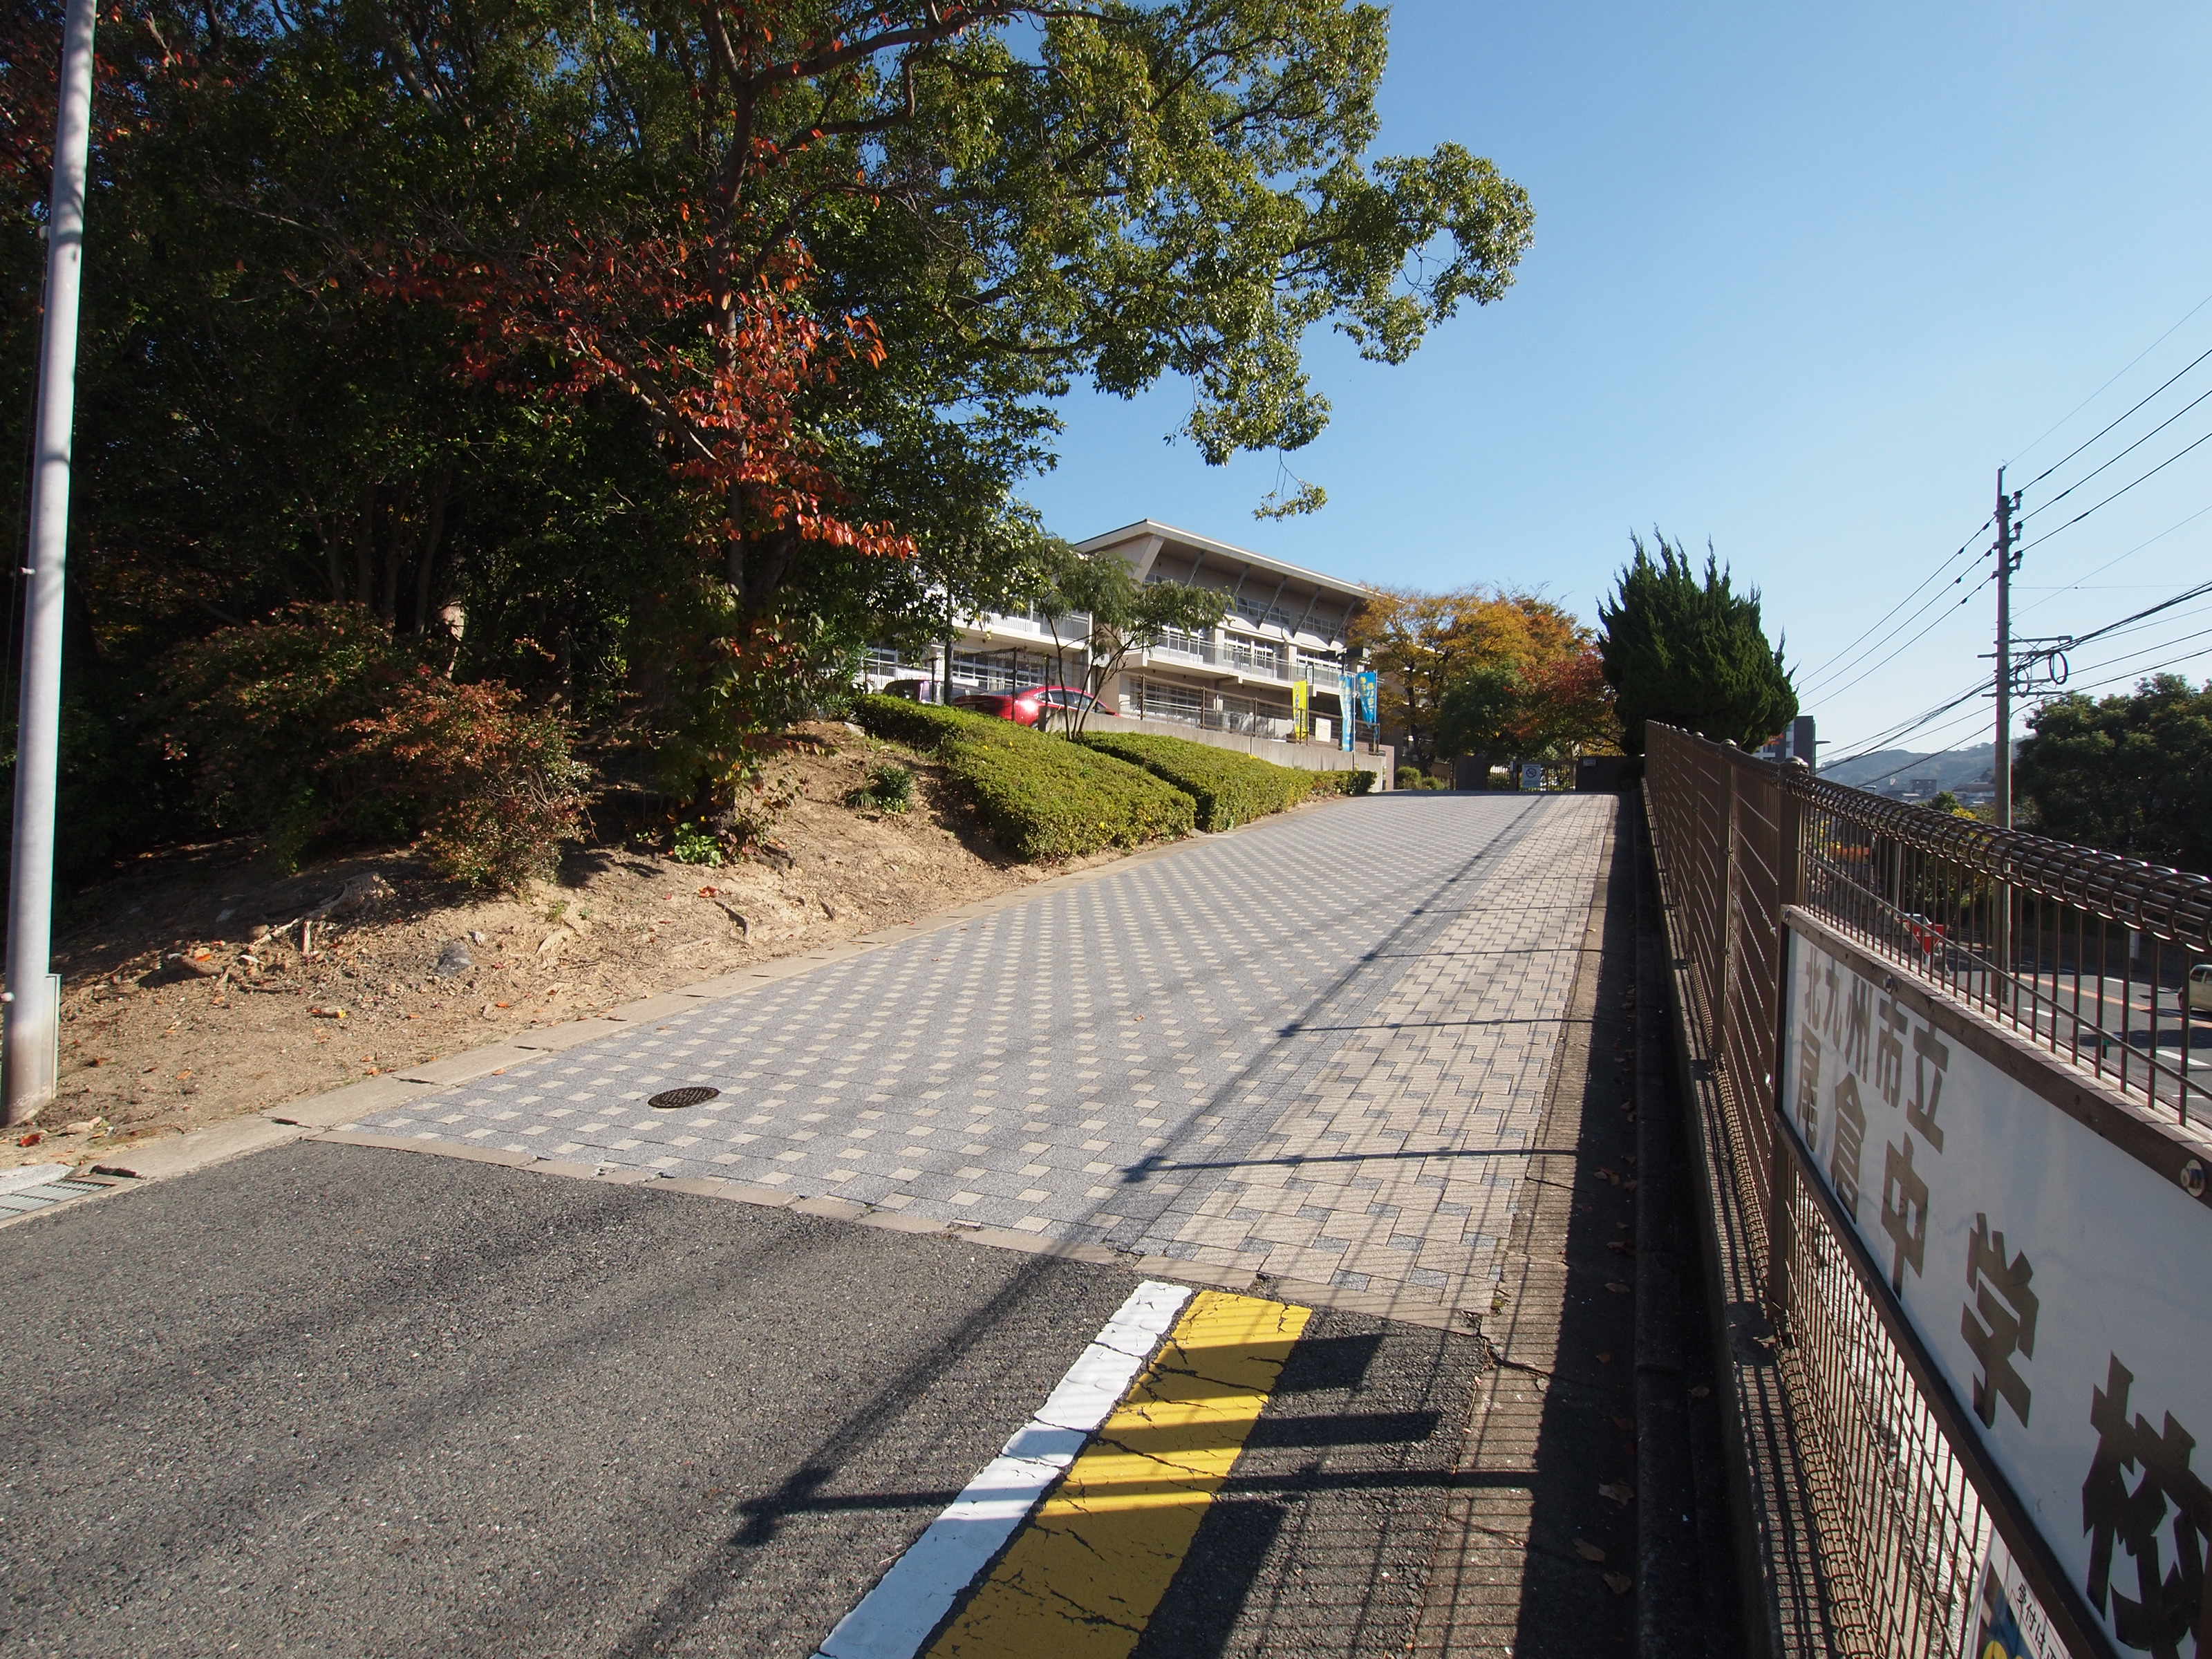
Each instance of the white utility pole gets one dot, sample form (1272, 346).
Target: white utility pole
(2000, 752)
(33, 1021)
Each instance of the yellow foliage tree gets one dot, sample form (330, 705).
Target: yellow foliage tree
(1422, 644)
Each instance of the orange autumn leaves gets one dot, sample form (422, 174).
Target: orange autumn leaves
(723, 367)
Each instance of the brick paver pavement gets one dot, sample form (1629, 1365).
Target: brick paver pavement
(1316, 1050)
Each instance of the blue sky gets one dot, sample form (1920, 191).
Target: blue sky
(1802, 280)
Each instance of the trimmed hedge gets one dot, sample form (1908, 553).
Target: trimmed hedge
(921, 724)
(1230, 788)
(1343, 780)
(1040, 796)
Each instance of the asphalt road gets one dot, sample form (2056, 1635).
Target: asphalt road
(333, 1400)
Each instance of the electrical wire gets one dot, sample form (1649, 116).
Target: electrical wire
(1860, 748)
(2030, 448)
(2116, 495)
(2116, 559)
(2144, 651)
(1924, 757)
(2139, 403)
(2121, 456)
(1941, 617)
(2182, 598)
(1814, 674)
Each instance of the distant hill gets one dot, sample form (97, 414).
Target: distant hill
(1951, 767)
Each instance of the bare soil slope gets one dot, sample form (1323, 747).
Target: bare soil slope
(201, 985)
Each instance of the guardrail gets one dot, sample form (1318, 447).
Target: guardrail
(1843, 961)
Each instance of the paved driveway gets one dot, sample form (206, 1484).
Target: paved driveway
(1315, 1050)
(334, 1400)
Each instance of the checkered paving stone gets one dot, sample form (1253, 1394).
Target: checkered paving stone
(1316, 1050)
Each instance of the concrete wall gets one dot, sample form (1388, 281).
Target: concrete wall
(1313, 756)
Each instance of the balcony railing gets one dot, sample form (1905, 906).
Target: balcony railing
(1258, 660)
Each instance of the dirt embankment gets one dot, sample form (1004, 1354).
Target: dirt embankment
(200, 984)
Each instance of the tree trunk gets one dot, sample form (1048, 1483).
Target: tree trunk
(426, 561)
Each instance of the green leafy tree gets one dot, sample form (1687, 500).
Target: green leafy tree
(1098, 613)
(1686, 649)
(1479, 710)
(2129, 774)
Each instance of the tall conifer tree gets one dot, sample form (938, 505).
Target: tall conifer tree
(1688, 650)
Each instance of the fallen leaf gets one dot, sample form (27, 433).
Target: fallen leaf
(1623, 1424)
(1588, 1550)
(1605, 1359)
(1616, 1287)
(30, 1139)
(1699, 1391)
(1618, 1491)
(1618, 1583)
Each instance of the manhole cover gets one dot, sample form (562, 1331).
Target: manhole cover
(696, 1094)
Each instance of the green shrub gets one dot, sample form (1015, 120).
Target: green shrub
(1041, 795)
(918, 725)
(1230, 788)
(1412, 777)
(1343, 780)
(889, 789)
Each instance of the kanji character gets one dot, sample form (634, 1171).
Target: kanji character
(1889, 1047)
(2170, 1607)
(1851, 1139)
(2000, 1323)
(1931, 1056)
(1904, 1212)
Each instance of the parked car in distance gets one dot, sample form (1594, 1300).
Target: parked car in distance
(1929, 935)
(911, 691)
(2199, 995)
(1031, 707)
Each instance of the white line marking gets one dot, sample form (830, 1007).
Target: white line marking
(896, 1617)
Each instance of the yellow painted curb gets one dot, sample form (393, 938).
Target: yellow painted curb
(1084, 1577)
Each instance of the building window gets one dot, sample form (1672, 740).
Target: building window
(1003, 670)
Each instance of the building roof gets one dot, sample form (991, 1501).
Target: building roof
(1191, 538)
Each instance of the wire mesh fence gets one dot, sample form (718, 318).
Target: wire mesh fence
(2088, 957)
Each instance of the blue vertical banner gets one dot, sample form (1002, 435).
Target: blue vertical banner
(1366, 683)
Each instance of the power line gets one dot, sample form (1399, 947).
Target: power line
(1863, 747)
(2145, 651)
(1812, 675)
(1860, 748)
(1941, 617)
(2139, 403)
(2182, 598)
(2117, 558)
(2123, 454)
(2117, 494)
(2100, 391)
(1919, 759)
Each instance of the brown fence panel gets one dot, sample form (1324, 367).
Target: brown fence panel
(2084, 956)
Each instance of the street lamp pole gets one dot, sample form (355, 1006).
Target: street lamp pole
(29, 1053)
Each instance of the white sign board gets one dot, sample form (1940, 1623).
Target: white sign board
(2063, 1287)
(1532, 774)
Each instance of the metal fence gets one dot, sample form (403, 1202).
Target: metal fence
(2083, 955)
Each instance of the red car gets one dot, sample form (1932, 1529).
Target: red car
(1031, 707)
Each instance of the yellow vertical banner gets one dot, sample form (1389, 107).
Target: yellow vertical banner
(1301, 715)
